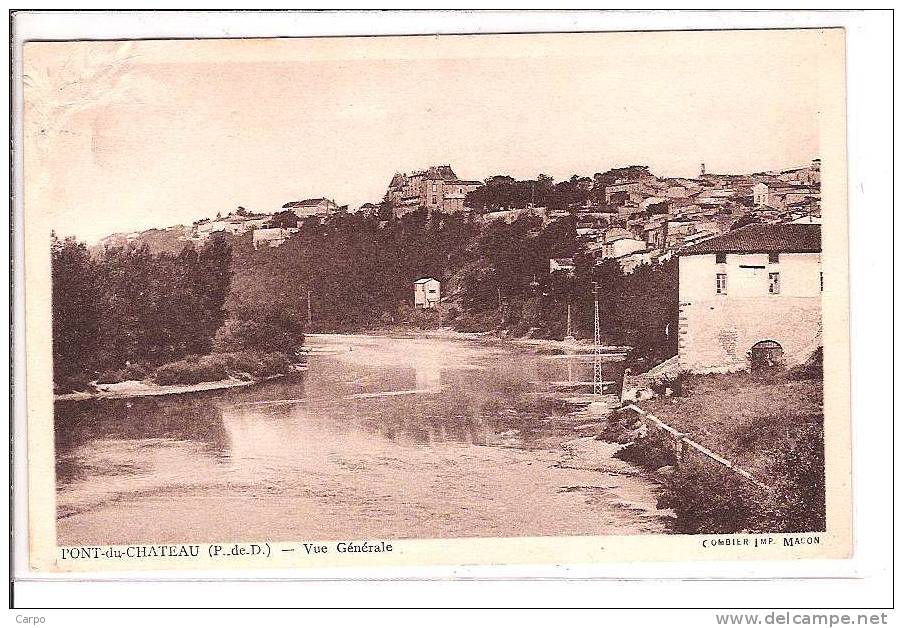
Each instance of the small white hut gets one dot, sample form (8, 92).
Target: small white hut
(426, 293)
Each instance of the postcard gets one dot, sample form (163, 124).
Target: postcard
(436, 300)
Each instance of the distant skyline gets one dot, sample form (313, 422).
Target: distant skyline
(129, 136)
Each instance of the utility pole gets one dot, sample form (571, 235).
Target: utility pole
(597, 343)
(569, 334)
(309, 314)
(500, 298)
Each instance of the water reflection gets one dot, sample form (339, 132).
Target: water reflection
(78, 424)
(352, 412)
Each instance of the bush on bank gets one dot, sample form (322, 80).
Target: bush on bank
(709, 499)
(130, 372)
(219, 366)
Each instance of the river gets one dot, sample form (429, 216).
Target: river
(403, 437)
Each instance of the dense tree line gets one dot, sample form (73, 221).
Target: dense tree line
(504, 192)
(358, 272)
(129, 307)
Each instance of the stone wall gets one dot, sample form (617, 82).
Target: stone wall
(716, 334)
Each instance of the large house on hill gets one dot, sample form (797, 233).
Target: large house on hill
(320, 207)
(750, 297)
(436, 188)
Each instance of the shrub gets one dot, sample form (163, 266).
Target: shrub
(192, 370)
(709, 499)
(261, 327)
(650, 452)
(621, 427)
(810, 369)
(679, 383)
(130, 372)
(269, 364)
(425, 318)
(218, 366)
(797, 501)
(479, 322)
(75, 382)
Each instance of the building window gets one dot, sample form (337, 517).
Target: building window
(774, 283)
(721, 258)
(773, 258)
(721, 283)
(434, 200)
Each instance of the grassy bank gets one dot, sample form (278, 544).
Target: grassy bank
(770, 425)
(179, 376)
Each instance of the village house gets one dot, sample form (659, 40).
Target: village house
(238, 224)
(271, 237)
(319, 207)
(808, 175)
(426, 293)
(511, 215)
(436, 188)
(779, 195)
(629, 262)
(617, 242)
(750, 297)
(368, 209)
(624, 191)
(562, 265)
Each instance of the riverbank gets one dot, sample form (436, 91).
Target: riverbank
(770, 426)
(191, 374)
(142, 388)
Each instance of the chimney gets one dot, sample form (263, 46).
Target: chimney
(702, 169)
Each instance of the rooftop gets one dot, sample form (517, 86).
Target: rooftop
(308, 202)
(779, 238)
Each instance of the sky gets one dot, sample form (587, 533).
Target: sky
(124, 136)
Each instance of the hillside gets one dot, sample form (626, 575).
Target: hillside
(170, 240)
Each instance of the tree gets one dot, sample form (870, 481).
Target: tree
(131, 307)
(211, 282)
(283, 220)
(263, 327)
(76, 311)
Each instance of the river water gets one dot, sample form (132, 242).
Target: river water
(379, 438)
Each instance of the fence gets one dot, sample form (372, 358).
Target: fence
(683, 446)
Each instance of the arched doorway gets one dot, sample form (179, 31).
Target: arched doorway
(766, 354)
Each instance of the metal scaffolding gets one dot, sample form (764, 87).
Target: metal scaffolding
(597, 343)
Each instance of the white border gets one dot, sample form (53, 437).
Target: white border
(864, 579)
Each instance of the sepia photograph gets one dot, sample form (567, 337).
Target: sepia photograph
(326, 296)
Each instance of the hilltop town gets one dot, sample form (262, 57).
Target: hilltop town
(628, 214)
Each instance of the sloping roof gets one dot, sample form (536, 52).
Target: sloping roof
(308, 202)
(780, 238)
(425, 279)
(444, 173)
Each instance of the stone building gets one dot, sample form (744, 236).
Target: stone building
(436, 188)
(320, 207)
(750, 296)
